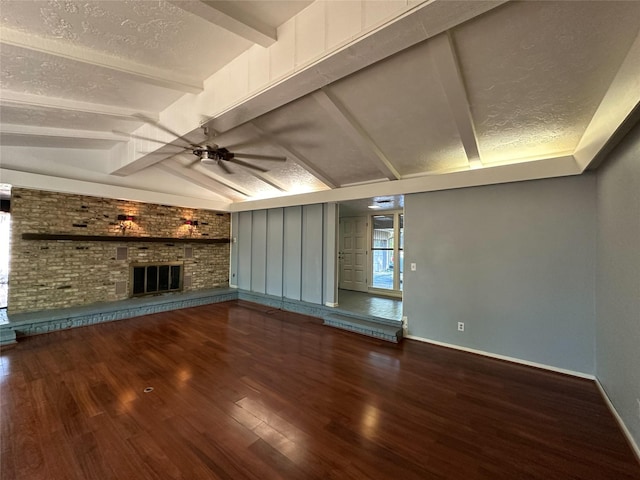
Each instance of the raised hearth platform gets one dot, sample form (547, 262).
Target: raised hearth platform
(364, 324)
(19, 325)
(35, 323)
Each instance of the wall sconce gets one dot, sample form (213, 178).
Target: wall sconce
(126, 222)
(191, 225)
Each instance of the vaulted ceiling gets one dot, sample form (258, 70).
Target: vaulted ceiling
(362, 98)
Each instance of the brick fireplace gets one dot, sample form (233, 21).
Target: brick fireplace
(53, 273)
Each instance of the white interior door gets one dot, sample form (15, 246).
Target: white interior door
(353, 253)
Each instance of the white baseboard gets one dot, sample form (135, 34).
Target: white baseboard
(504, 357)
(331, 304)
(623, 427)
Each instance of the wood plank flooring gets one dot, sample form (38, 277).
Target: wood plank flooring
(243, 392)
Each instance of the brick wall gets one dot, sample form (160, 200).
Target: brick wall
(49, 274)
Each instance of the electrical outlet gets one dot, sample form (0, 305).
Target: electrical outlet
(414, 267)
(461, 326)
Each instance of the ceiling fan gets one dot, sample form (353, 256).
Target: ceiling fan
(208, 153)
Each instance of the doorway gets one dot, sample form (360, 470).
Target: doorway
(371, 256)
(352, 254)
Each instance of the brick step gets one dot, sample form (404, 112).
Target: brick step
(33, 323)
(368, 327)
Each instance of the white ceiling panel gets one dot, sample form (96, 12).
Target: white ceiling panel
(152, 33)
(400, 103)
(320, 141)
(46, 141)
(536, 72)
(48, 117)
(27, 71)
(294, 178)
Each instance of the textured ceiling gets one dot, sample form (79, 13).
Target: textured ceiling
(535, 76)
(410, 119)
(152, 33)
(357, 96)
(69, 119)
(37, 73)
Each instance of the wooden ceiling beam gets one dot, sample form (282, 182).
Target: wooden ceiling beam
(26, 100)
(248, 28)
(446, 63)
(36, 131)
(139, 72)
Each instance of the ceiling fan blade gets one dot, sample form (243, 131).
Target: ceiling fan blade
(235, 146)
(164, 128)
(291, 128)
(139, 137)
(192, 163)
(260, 157)
(165, 152)
(258, 142)
(248, 165)
(224, 167)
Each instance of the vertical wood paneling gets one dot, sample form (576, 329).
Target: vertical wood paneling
(288, 252)
(275, 239)
(292, 263)
(330, 254)
(244, 250)
(233, 267)
(259, 251)
(312, 235)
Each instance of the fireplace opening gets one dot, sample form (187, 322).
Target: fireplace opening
(148, 279)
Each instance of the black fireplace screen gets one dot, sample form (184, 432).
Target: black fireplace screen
(157, 278)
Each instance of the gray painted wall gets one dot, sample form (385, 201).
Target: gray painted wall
(286, 252)
(292, 262)
(330, 254)
(259, 251)
(312, 242)
(618, 280)
(275, 247)
(243, 246)
(233, 264)
(515, 262)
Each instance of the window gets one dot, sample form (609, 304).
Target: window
(387, 251)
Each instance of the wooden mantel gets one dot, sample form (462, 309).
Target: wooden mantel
(121, 238)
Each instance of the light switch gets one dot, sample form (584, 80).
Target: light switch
(413, 267)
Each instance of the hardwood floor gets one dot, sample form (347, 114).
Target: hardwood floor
(245, 392)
